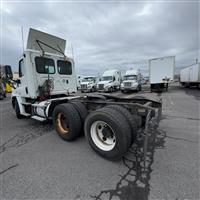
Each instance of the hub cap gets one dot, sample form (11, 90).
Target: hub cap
(102, 135)
(62, 124)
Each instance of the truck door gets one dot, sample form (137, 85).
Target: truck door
(23, 87)
(66, 78)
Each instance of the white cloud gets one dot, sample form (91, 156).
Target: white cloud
(107, 34)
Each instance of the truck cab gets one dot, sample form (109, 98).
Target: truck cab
(89, 84)
(131, 81)
(110, 81)
(44, 72)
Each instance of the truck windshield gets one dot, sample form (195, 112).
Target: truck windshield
(107, 78)
(130, 77)
(88, 79)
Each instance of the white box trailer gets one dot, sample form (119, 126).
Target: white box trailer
(190, 76)
(161, 72)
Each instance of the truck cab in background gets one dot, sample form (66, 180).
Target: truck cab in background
(110, 81)
(131, 81)
(79, 79)
(89, 84)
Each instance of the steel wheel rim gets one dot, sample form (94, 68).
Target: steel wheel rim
(102, 142)
(62, 125)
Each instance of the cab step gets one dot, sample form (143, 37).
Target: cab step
(25, 114)
(38, 105)
(26, 103)
(41, 119)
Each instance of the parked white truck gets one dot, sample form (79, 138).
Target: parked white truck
(89, 84)
(161, 72)
(46, 84)
(190, 76)
(110, 81)
(79, 79)
(131, 81)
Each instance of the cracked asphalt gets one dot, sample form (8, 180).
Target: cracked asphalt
(36, 164)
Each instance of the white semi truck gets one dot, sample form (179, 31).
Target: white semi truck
(45, 92)
(131, 81)
(79, 79)
(89, 83)
(110, 81)
(190, 76)
(161, 73)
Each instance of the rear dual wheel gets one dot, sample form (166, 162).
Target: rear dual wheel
(68, 119)
(108, 133)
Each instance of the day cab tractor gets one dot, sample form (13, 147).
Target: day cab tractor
(46, 91)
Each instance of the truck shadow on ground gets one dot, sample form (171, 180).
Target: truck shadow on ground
(134, 184)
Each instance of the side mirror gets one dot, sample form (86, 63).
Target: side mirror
(18, 81)
(9, 73)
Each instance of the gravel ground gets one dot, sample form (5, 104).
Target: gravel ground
(36, 164)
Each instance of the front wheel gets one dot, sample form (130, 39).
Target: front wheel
(17, 110)
(111, 90)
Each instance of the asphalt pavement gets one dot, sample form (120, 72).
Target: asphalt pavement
(36, 164)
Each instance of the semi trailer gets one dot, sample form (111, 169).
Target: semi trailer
(161, 73)
(45, 92)
(190, 76)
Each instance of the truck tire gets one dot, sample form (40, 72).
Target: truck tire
(107, 131)
(111, 90)
(132, 121)
(82, 111)
(17, 110)
(67, 121)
